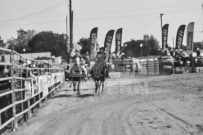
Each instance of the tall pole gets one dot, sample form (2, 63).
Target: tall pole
(72, 45)
(67, 38)
(161, 31)
(70, 23)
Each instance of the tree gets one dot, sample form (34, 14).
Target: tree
(47, 41)
(150, 47)
(198, 45)
(21, 42)
(85, 43)
(2, 44)
(153, 45)
(133, 48)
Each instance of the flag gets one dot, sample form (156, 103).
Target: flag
(118, 41)
(93, 38)
(179, 37)
(164, 36)
(189, 36)
(108, 42)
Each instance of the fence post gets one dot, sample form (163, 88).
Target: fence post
(28, 100)
(21, 86)
(14, 122)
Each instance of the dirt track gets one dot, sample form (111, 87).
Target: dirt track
(173, 106)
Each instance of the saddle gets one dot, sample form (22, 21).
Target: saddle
(77, 71)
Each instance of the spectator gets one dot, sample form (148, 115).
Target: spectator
(198, 52)
(2, 58)
(4, 72)
(1, 71)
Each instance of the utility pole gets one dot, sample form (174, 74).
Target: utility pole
(161, 30)
(72, 45)
(71, 28)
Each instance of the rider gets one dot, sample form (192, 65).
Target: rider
(102, 52)
(101, 56)
(76, 72)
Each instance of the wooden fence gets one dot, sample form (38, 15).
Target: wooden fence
(19, 94)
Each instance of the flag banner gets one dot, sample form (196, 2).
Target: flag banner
(93, 38)
(189, 36)
(108, 42)
(179, 37)
(165, 36)
(118, 41)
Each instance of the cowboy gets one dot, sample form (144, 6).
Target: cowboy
(76, 71)
(103, 54)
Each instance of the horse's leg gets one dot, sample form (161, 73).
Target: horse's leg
(78, 87)
(96, 86)
(71, 82)
(99, 86)
(74, 86)
(102, 83)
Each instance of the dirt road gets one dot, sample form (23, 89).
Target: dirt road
(172, 106)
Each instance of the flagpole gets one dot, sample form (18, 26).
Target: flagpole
(161, 30)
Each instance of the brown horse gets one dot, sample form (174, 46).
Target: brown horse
(76, 75)
(99, 73)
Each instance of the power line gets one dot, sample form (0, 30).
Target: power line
(132, 29)
(97, 18)
(89, 19)
(93, 18)
(46, 22)
(34, 14)
(130, 10)
(59, 4)
(137, 15)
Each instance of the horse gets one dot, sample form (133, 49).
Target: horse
(99, 72)
(77, 73)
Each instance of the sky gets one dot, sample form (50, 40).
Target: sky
(136, 17)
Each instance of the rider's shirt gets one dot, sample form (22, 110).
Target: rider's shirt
(99, 66)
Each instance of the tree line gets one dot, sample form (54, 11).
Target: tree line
(47, 41)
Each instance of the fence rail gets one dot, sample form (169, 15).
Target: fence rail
(20, 93)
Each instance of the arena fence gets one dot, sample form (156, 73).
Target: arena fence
(19, 93)
(154, 65)
(151, 65)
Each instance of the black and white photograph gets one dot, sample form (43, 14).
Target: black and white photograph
(101, 67)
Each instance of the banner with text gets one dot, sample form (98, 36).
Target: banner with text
(165, 36)
(108, 42)
(189, 34)
(93, 38)
(118, 41)
(179, 37)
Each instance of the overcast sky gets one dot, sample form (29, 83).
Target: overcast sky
(136, 17)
